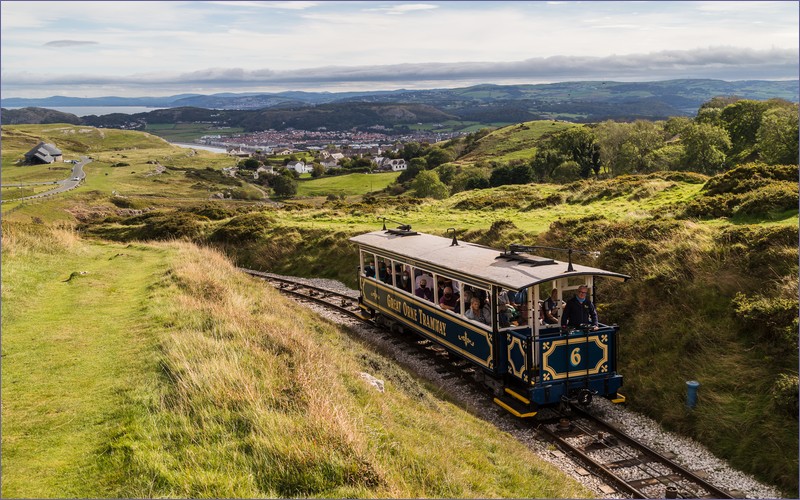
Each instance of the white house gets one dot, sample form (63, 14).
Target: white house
(300, 167)
(394, 165)
(329, 163)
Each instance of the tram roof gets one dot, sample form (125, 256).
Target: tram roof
(470, 259)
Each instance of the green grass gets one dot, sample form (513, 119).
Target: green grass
(72, 352)
(514, 141)
(350, 184)
(163, 371)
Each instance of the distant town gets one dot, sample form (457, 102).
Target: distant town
(293, 140)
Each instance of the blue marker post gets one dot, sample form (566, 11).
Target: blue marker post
(691, 393)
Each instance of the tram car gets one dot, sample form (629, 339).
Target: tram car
(426, 284)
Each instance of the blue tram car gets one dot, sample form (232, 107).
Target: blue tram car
(426, 283)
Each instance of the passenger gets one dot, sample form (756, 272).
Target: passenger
(383, 274)
(423, 291)
(550, 308)
(508, 313)
(579, 310)
(404, 283)
(422, 275)
(478, 313)
(450, 301)
(369, 270)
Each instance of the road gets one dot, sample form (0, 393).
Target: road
(73, 181)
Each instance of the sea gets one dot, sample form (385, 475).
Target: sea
(95, 110)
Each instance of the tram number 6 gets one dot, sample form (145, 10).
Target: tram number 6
(575, 357)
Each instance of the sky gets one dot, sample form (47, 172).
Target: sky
(160, 48)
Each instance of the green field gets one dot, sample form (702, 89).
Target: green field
(347, 185)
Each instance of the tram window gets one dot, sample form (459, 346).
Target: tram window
(384, 270)
(420, 276)
(483, 313)
(402, 277)
(368, 264)
(448, 296)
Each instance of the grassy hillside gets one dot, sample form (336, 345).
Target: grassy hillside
(163, 371)
(515, 142)
(714, 265)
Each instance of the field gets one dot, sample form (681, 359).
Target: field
(346, 185)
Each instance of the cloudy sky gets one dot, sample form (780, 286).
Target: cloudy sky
(155, 48)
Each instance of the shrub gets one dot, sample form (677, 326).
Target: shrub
(165, 226)
(245, 227)
(785, 394)
(776, 197)
(768, 319)
(625, 255)
(750, 176)
(212, 211)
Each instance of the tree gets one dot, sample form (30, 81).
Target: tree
(742, 120)
(580, 144)
(611, 136)
(283, 185)
(777, 137)
(411, 150)
(317, 170)
(249, 164)
(705, 146)
(438, 156)
(427, 185)
(644, 137)
(545, 163)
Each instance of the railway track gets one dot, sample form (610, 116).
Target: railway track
(630, 467)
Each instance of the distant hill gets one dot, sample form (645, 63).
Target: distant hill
(482, 104)
(36, 116)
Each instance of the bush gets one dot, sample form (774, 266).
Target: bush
(785, 395)
(625, 255)
(247, 227)
(166, 226)
(767, 319)
(750, 176)
(776, 197)
(212, 211)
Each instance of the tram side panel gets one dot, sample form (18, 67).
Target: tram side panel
(452, 332)
(577, 361)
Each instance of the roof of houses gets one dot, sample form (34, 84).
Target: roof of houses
(44, 152)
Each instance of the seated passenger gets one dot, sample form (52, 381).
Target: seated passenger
(423, 291)
(404, 283)
(450, 301)
(550, 308)
(478, 313)
(508, 313)
(369, 270)
(383, 274)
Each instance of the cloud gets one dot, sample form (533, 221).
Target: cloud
(69, 43)
(727, 63)
(403, 8)
(268, 5)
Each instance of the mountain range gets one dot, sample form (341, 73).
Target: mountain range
(486, 104)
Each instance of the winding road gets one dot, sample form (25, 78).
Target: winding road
(75, 178)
